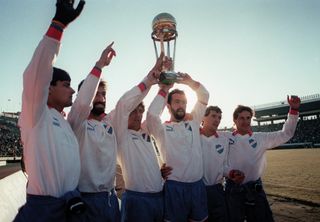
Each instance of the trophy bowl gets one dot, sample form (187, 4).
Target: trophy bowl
(164, 32)
(164, 27)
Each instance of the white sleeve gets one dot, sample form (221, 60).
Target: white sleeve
(200, 107)
(36, 81)
(274, 139)
(154, 125)
(82, 106)
(126, 104)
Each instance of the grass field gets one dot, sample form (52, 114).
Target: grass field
(294, 173)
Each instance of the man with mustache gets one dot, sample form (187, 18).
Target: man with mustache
(180, 147)
(51, 150)
(98, 145)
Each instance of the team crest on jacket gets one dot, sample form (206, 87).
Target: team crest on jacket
(219, 148)
(252, 143)
(108, 128)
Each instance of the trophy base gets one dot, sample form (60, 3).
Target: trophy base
(169, 77)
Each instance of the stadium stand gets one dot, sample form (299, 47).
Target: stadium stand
(10, 145)
(270, 117)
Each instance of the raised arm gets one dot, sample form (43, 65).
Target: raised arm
(274, 139)
(38, 74)
(131, 99)
(82, 106)
(154, 124)
(202, 95)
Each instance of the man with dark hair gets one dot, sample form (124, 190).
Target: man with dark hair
(179, 144)
(172, 92)
(216, 111)
(240, 109)
(98, 145)
(247, 153)
(214, 149)
(51, 151)
(59, 75)
(143, 197)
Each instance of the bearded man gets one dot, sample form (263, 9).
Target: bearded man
(180, 147)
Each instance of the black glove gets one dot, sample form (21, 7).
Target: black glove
(65, 12)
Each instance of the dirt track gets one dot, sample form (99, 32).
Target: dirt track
(286, 210)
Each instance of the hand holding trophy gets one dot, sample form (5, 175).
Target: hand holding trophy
(164, 31)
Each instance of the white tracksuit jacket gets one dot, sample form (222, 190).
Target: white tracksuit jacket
(214, 153)
(136, 152)
(97, 140)
(247, 152)
(179, 142)
(51, 151)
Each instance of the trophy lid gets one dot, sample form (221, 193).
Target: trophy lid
(164, 26)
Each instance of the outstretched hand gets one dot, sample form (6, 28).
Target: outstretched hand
(65, 13)
(153, 75)
(106, 56)
(185, 78)
(294, 102)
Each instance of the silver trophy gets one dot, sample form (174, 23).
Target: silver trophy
(164, 31)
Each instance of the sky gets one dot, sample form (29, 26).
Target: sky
(248, 52)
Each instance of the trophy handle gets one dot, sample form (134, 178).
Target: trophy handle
(161, 45)
(162, 51)
(170, 77)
